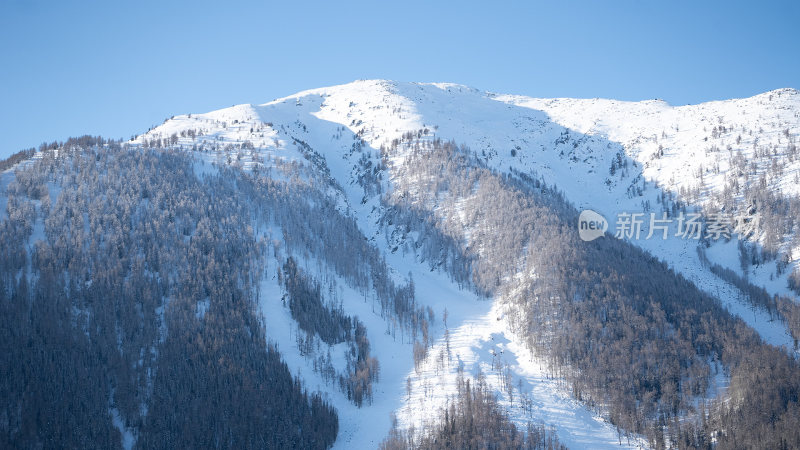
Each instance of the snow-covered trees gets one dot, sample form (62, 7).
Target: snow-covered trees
(332, 326)
(631, 337)
(794, 281)
(101, 310)
(473, 419)
(16, 158)
(150, 269)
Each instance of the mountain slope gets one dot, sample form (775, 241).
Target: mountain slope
(567, 142)
(396, 238)
(573, 144)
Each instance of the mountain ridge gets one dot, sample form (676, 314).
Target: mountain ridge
(642, 129)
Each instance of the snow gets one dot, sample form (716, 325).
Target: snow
(202, 308)
(127, 435)
(682, 257)
(483, 343)
(478, 330)
(590, 133)
(359, 428)
(685, 134)
(7, 176)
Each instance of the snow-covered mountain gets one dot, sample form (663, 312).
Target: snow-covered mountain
(692, 154)
(425, 175)
(686, 153)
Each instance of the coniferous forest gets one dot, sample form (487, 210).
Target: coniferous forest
(102, 317)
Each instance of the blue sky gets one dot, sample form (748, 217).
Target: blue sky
(116, 68)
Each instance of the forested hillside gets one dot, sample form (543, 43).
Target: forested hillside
(398, 265)
(108, 254)
(136, 276)
(628, 335)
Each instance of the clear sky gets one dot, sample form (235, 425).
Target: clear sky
(116, 68)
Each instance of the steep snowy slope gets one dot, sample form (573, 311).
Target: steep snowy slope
(340, 132)
(690, 151)
(713, 148)
(690, 137)
(566, 142)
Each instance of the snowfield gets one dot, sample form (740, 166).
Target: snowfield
(483, 345)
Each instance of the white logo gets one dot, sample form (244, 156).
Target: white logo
(591, 225)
